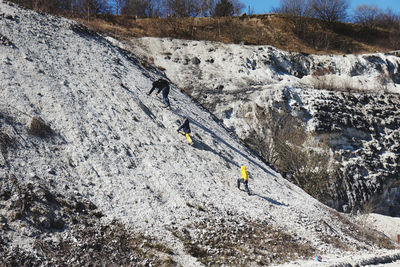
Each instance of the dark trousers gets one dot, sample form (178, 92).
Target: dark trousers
(166, 101)
(164, 93)
(246, 186)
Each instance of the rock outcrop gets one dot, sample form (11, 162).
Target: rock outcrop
(364, 134)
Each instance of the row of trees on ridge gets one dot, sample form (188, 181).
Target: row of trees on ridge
(139, 8)
(326, 10)
(338, 10)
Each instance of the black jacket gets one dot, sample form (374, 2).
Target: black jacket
(160, 84)
(185, 126)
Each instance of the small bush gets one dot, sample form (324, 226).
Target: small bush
(39, 128)
(5, 141)
(384, 79)
(147, 62)
(332, 83)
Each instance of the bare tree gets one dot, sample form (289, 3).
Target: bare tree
(41, 5)
(372, 16)
(67, 6)
(282, 141)
(330, 10)
(238, 6)
(118, 4)
(228, 8)
(141, 8)
(300, 8)
(89, 8)
(80, 8)
(207, 7)
(366, 15)
(223, 8)
(183, 8)
(388, 19)
(269, 131)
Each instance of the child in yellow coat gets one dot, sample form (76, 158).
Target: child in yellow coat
(244, 178)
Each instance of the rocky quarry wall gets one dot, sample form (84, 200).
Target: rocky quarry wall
(364, 135)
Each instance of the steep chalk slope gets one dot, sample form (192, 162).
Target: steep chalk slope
(103, 141)
(352, 99)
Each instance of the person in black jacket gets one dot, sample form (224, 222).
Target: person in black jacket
(185, 126)
(186, 129)
(163, 87)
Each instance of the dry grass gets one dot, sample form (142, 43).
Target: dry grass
(282, 31)
(333, 83)
(362, 233)
(322, 80)
(220, 242)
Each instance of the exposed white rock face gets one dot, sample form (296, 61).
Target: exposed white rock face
(352, 98)
(93, 172)
(364, 132)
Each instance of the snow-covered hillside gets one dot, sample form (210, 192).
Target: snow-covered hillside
(108, 150)
(351, 99)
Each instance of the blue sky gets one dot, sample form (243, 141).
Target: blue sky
(264, 6)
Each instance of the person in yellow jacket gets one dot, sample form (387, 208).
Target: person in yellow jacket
(244, 178)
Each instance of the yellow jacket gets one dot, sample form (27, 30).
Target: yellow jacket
(244, 175)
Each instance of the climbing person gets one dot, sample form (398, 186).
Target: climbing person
(163, 87)
(186, 129)
(244, 178)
